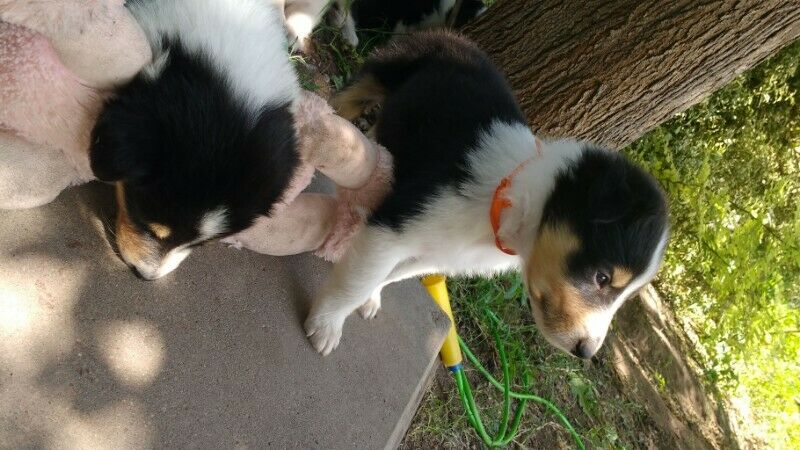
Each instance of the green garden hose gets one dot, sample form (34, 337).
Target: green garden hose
(451, 357)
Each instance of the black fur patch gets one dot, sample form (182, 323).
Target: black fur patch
(442, 91)
(615, 208)
(184, 145)
(387, 14)
(469, 10)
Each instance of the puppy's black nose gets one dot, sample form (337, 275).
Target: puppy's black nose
(581, 350)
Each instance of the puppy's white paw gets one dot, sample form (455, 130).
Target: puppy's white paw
(370, 309)
(324, 331)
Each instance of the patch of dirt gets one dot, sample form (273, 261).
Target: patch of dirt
(650, 355)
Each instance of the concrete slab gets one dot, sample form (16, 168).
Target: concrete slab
(212, 356)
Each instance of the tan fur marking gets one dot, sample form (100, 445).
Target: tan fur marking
(547, 279)
(364, 93)
(569, 306)
(131, 243)
(161, 231)
(620, 277)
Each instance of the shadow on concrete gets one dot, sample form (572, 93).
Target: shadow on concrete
(213, 355)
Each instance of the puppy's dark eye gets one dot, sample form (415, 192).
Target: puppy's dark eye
(601, 279)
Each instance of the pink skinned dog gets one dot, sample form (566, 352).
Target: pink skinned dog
(58, 61)
(325, 224)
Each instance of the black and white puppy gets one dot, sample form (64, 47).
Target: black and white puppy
(401, 17)
(202, 141)
(477, 193)
(302, 16)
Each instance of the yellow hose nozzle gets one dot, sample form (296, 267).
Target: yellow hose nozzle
(451, 352)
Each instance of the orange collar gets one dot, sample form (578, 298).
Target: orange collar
(500, 202)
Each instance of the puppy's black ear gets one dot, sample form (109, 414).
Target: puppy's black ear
(113, 153)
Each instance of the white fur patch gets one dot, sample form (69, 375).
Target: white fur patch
(172, 260)
(244, 39)
(213, 223)
(500, 150)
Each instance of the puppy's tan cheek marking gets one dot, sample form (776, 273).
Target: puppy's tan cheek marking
(161, 231)
(572, 308)
(620, 277)
(131, 243)
(546, 275)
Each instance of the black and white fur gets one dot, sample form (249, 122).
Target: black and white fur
(202, 141)
(405, 16)
(588, 226)
(302, 16)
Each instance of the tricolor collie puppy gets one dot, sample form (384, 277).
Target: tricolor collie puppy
(476, 193)
(202, 141)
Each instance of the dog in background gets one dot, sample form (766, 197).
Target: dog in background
(302, 16)
(405, 16)
(476, 193)
(202, 141)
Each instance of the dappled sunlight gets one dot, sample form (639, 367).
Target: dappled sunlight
(15, 312)
(50, 419)
(122, 425)
(55, 388)
(134, 351)
(92, 357)
(301, 24)
(36, 324)
(648, 357)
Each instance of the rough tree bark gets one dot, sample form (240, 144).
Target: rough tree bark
(608, 71)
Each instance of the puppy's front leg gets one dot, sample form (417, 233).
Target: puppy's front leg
(373, 255)
(404, 270)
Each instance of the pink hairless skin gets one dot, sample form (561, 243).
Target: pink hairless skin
(361, 170)
(58, 61)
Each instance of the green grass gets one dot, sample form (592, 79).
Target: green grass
(731, 168)
(591, 396)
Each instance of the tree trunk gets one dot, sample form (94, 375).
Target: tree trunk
(609, 71)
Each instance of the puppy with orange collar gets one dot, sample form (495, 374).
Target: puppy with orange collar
(476, 193)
